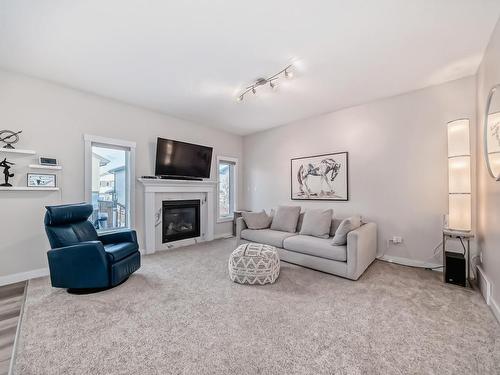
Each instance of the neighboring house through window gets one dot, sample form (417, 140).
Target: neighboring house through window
(227, 169)
(109, 182)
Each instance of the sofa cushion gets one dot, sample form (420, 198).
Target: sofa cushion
(266, 236)
(335, 225)
(285, 218)
(256, 220)
(319, 247)
(118, 251)
(344, 228)
(317, 223)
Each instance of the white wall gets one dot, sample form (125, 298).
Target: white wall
(488, 189)
(53, 119)
(397, 162)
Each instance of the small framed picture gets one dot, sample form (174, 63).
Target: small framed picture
(47, 161)
(41, 180)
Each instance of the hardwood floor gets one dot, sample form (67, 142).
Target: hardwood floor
(11, 301)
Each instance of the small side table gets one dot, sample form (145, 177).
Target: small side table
(449, 234)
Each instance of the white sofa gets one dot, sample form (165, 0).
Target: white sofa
(349, 261)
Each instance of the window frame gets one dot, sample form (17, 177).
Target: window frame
(95, 140)
(234, 188)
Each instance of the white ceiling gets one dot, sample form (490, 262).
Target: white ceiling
(188, 58)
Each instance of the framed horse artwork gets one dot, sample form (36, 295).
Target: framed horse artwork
(320, 177)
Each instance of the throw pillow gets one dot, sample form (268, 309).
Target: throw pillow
(317, 223)
(256, 220)
(344, 228)
(285, 218)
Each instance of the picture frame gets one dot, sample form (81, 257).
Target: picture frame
(41, 180)
(43, 160)
(322, 177)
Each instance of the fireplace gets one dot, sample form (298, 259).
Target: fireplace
(181, 219)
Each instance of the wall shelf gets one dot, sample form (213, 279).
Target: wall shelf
(40, 166)
(17, 151)
(27, 188)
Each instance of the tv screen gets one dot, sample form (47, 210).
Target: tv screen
(175, 158)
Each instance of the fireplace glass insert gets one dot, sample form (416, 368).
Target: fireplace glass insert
(180, 219)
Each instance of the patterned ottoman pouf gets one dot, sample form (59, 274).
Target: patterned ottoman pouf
(254, 263)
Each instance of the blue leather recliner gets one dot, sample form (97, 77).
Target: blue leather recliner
(82, 259)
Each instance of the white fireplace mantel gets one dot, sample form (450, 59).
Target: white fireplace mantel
(156, 190)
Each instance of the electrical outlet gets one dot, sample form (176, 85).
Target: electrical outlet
(397, 239)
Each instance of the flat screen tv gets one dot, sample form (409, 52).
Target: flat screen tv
(181, 159)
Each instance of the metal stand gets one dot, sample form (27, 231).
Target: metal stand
(462, 236)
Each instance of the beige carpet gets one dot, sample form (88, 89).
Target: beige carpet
(180, 314)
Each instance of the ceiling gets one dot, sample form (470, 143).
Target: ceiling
(189, 58)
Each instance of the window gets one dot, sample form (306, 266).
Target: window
(109, 176)
(227, 173)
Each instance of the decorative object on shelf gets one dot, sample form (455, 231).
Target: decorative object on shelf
(9, 137)
(272, 81)
(491, 136)
(41, 180)
(48, 161)
(320, 177)
(6, 167)
(459, 176)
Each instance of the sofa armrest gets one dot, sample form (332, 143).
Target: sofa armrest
(361, 249)
(240, 225)
(119, 236)
(84, 265)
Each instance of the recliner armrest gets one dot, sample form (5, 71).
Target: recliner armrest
(83, 265)
(119, 236)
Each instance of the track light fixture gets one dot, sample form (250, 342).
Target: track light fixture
(271, 80)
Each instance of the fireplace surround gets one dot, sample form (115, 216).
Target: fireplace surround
(156, 191)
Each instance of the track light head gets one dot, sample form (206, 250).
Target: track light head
(273, 85)
(288, 73)
(239, 98)
(254, 91)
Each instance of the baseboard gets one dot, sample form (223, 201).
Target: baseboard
(483, 284)
(408, 262)
(23, 276)
(496, 310)
(485, 288)
(223, 235)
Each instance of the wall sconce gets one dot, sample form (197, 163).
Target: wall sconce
(459, 176)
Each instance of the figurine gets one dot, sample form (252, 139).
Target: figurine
(9, 138)
(6, 166)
